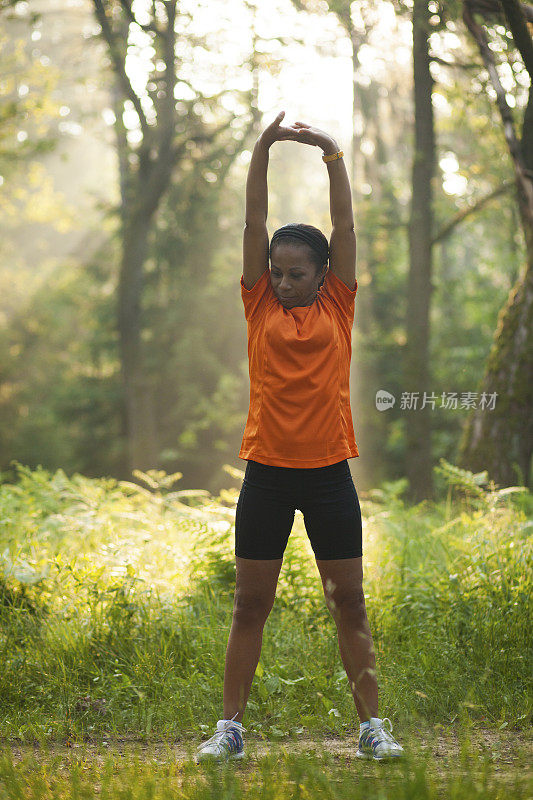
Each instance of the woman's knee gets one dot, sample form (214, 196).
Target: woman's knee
(348, 607)
(251, 609)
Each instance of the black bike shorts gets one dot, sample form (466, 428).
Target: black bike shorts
(325, 495)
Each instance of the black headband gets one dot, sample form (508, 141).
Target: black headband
(315, 240)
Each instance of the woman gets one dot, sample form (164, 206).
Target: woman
(298, 438)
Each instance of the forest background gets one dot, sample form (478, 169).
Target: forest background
(125, 135)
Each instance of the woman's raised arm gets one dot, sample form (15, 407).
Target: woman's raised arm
(255, 239)
(342, 246)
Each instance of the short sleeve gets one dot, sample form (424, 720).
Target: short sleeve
(343, 297)
(258, 296)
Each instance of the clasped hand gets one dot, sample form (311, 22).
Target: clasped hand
(299, 132)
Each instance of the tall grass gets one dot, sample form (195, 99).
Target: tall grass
(115, 605)
(278, 776)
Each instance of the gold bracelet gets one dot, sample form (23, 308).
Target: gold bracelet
(333, 156)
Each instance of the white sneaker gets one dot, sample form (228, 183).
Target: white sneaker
(377, 741)
(226, 743)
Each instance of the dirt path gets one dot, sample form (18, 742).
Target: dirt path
(440, 748)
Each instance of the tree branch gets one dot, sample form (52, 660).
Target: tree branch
(449, 226)
(523, 180)
(151, 27)
(167, 116)
(495, 7)
(521, 35)
(457, 64)
(118, 64)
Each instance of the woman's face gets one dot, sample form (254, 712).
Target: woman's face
(293, 275)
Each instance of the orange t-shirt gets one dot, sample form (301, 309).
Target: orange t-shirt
(299, 363)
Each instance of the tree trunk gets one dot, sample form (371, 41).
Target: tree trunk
(142, 443)
(418, 422)
(500, 438)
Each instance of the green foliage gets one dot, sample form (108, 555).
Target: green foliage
(26, 104)
(123, 594)
(61, 400)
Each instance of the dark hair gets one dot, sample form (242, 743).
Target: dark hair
(299, 233)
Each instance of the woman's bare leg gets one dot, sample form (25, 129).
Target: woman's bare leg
(255, 590)
(342, 579)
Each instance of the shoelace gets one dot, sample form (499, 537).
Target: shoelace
(216, 736)
(387, 732)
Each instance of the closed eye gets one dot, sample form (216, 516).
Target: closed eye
(293, 274)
